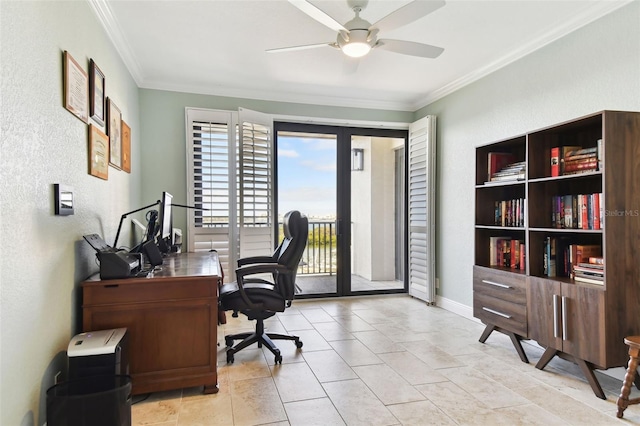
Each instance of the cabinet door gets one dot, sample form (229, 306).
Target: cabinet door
(543, 307)
(584, 323)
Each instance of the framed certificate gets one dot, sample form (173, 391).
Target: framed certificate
(114, 131)
(76, 88)
(96, 93)
(98, 153)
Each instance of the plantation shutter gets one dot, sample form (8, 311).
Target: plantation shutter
(421, 197)
(256, 209)
(211, 148)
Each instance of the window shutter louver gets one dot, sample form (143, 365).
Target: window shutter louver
(421, 193)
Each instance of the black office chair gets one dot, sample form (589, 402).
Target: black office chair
(260, 299)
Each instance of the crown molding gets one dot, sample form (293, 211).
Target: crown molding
(279, 96)
(599, 10)
(105, 15)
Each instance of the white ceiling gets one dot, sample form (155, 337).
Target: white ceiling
(218, 47)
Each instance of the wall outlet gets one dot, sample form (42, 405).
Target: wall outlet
(57, 378)
(437, 282)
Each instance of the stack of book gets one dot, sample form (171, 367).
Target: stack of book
(561, 258)
(512, 171)
(568, 160)
(507, 252)
(591, 272)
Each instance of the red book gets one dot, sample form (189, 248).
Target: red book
(555, 161)
(522, 256)
(596, 211)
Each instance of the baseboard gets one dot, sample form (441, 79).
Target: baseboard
(456, 307)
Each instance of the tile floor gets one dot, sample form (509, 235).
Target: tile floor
(385, 360)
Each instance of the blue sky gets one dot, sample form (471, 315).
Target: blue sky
(307, 176)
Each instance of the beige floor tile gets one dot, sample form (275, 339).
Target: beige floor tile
(419, 413)
(312, 341)
(212, 410)
(399, 334)
(357, 404)
(411, 368)
(372, 316)
(316, 315)
(160, 407)
(313, 412)
(294, 323)
(353, 323)
(354, 352)
(459, 405)
(377, 342)
(296, 382)
(387, 385)
(563, 406)
(530, 414)
(256, 401)
(328, 366)
(332, 331)
(431, 355)
(484, 389)
(249, 363)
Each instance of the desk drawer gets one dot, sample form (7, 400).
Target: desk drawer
(502, 285)
(145, 290)
(504, 314)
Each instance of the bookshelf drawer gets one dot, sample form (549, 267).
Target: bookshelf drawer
(501, 285)
(504, 314)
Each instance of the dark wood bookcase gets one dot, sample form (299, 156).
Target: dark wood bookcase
(582, 322)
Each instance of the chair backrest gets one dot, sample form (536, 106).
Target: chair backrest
(296, 232)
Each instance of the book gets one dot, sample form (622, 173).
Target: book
(555, 161)
(579, 253)
(564, 152)
(523, 256)
(589, 280)
(578, 165)
(596, 260)
(581, 151)
(496, 161)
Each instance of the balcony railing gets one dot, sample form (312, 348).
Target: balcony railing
(320, 255)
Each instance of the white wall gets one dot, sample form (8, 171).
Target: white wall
(43, 256)
(592, 69)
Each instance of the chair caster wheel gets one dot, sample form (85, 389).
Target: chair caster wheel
(298, 344)
(278, 359)
(228, 342)
(230, 358)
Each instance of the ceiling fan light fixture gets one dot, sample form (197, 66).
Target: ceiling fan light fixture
(356, 49)
(356, 44)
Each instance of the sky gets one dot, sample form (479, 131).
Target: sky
(307, 176)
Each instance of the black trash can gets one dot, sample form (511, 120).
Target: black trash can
(90, 401)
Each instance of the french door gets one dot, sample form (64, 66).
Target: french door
(345, 181)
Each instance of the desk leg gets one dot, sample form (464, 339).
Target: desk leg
(209, 389)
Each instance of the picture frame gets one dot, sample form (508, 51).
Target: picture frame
(114, 131)
(126, 147)
(98, 153)
(76, 88)
(96, 93)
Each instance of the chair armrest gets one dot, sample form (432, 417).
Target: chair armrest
(256, 259)
(260, 268)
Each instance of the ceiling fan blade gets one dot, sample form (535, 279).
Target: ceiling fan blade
(302, 47)
(410, 48)
(407, 14)
(318, 15)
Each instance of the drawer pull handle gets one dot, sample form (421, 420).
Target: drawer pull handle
(497, 313)
(496, 284)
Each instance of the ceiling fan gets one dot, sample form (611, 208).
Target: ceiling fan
(357, 37)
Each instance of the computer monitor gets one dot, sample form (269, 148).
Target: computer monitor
(165, 238)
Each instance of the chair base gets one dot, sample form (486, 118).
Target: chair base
(259, 337)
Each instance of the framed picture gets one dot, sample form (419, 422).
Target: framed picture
(98, 153)
(114, 131)
(126, 147)
(76, 88)
(96, 93)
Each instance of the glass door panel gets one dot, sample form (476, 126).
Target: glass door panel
(377, 212)
(306, 181)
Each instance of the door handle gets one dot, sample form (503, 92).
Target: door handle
(564, 318)
(556, 330)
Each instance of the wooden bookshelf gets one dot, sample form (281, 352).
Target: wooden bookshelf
(586, 323)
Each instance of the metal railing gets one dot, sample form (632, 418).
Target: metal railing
(320, 255)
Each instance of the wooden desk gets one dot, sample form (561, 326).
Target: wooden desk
(171, 318)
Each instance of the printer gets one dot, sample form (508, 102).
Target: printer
(99, 353)
(119, 264)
